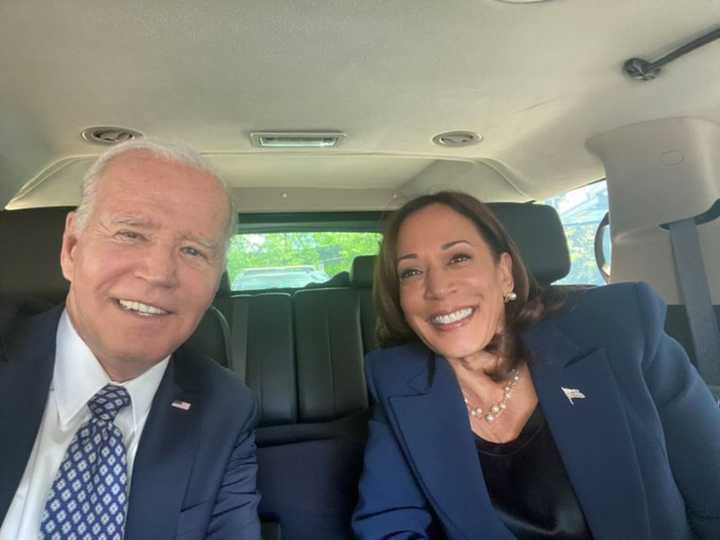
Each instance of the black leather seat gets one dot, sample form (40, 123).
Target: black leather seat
(263, 350)
(361, 278)
(302, 354)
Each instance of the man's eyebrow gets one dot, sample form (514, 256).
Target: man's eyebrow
(139, 221)
(448, 245)
(204, 242)
(135, 221)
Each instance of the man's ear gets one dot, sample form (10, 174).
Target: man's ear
(69, 241)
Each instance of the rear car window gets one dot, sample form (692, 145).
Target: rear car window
(282, 260)
(581, 212)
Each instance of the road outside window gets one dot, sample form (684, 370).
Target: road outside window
(294, 259)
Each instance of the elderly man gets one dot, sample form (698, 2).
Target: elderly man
(111, 429)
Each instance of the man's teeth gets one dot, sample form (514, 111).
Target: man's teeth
(455, 316)
(141, 309)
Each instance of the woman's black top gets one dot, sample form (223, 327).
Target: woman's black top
(529, 487)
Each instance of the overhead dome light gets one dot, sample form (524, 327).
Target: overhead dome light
(108, 135)
(457, 138)
(296, 139)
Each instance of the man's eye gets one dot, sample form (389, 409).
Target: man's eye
(129, 235)
(193, 252)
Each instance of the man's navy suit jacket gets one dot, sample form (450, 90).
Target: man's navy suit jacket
(195, 470)
(642, 449)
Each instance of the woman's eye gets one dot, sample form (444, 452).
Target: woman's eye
(408, 272)
(458, 258)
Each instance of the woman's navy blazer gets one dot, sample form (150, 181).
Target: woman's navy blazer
(641, 448)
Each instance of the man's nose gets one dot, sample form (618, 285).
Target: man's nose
(159, 266)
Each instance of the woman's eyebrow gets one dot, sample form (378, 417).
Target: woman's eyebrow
(444, 247)
(408, 256)
(454, 243)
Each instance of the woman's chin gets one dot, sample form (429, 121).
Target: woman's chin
(458, 352)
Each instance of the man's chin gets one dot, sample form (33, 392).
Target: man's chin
(123, 364)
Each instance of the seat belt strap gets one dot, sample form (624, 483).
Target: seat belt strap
(695, 292)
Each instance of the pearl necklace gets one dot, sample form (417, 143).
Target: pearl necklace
(497, 409)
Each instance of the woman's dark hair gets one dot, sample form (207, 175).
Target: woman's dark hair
(520, 314)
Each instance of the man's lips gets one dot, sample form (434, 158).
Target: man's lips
(141, 308)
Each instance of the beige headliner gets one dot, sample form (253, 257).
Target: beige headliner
(534, 80)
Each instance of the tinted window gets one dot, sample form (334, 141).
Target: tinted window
(294, 259)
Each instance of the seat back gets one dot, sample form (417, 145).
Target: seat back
(331, 380)
(30, 241)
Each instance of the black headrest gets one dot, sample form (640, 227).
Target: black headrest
(540, 237)
(32, 238)
(361, 274)
(30, 242)
(224, 288)
(212, 337)
(535, 228)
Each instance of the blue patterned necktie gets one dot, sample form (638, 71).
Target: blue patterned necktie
(88, 498)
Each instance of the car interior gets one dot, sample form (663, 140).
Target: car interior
(324, 117)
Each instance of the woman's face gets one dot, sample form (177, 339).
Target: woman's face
(451, 286)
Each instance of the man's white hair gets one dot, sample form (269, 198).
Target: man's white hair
(175, 153)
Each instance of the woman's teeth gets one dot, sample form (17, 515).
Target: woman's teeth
(455, 316)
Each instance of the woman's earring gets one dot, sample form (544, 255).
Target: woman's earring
(509, 297)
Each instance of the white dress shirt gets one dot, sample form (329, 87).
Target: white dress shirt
(77, 377)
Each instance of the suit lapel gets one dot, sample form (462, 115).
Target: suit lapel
(27, 357)
(437, 438)
(165, 456)
(591, 433)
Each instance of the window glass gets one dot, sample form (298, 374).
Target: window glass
(294, 259)
(581, 211)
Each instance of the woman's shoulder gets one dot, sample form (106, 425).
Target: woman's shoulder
(619, 313)
(633, 298)
(394, 363)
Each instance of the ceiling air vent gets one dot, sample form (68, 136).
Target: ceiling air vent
(108, 135)
(457, 138)
(296, 139)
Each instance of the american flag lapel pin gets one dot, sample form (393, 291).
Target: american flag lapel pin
(572, 393)
(182, 405)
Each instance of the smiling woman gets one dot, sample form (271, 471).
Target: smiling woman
(449, 222)
(488, 386)
(439, 251)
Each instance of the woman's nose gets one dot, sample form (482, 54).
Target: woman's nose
(438, 283)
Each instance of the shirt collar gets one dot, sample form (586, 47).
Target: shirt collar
(78, 376)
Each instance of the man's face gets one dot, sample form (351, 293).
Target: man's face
(147, 263)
